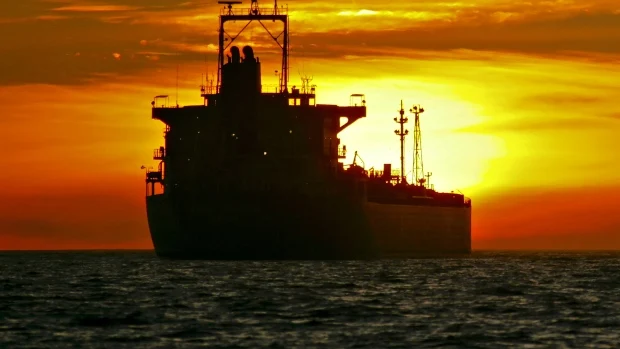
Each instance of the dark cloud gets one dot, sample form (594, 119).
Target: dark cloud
(30, 9)
(55, 52)
(595, 33)
(41, 46)
(38, 46)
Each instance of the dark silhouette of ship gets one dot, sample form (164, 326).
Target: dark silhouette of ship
(252, 174)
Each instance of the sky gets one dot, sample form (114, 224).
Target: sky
(521, 102)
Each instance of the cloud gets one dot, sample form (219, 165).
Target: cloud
(563, 99)
(96, 8)
(528, 37)
(177, 31)
(531, 124)
(586, 106)
(51, 18)
(359, 13)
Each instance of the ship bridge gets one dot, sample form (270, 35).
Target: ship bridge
(276, 134)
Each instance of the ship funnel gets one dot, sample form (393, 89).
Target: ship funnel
(248, 54)
(241, 81)
(235, 54)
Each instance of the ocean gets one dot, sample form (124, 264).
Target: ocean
(132, 299)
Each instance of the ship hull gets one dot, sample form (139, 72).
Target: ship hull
(404, 231)
(263, 227)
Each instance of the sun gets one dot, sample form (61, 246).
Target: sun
(457, 160)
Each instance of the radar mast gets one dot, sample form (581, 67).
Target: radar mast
(258, 14)
(418, 165)
(402, 133)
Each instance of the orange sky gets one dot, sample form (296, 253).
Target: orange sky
(522, 108)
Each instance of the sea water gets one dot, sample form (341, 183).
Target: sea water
(122, 299)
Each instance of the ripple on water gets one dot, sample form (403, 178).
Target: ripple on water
(134, 300)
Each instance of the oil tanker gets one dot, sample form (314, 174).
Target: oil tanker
(259, 175)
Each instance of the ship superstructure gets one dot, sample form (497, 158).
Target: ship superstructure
(254, 174)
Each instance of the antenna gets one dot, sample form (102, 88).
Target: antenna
(206, 68)
(305, 82)
(402, 133)
(254, 9)
(229, 3)
(305, 79)
(418, 165)
(177, 94)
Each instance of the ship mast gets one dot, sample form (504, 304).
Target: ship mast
(402, 133)
(418, 165)
(254, 13)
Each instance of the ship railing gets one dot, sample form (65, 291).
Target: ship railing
(372, 173)
(269, 88)
(342, 152)
(245, 11)
(357, 100)
(159, 154)
(154, 176)
(208, 89)
(273, 88)
(162, 101)
(380, 174)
